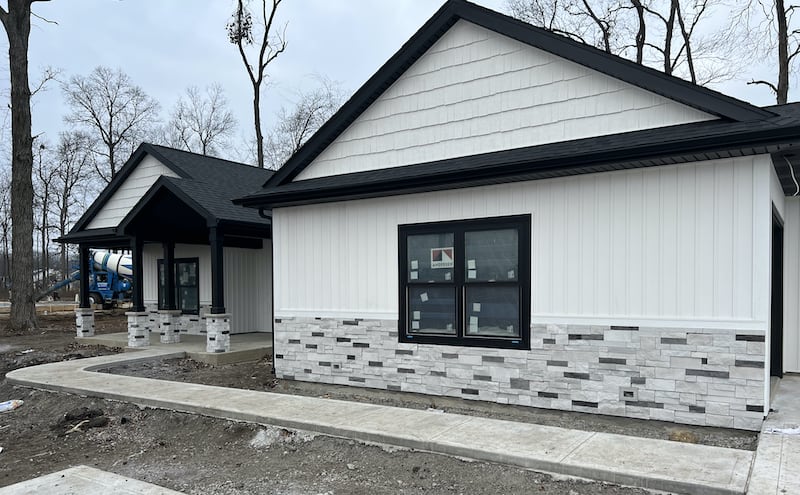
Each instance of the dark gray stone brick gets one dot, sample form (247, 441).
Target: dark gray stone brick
(449, 355)
(579, 376)
(493, 359)
(469, 391)
(403, 352)
(548, 395)
(644, 403)
(586, 336)
(317, 334)
(673, 340)
(608, 360)
(584, 403)
(710, 373)
(551, 362)
(482, 378)
(697, 409)
(405, 370)
(376, 364)
(356, 379)
(520, 384)
(749, 364)
(750, 338)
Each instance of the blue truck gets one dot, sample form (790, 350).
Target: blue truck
(110, 279)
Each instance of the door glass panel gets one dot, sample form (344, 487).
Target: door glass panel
(432, 310)
(492, 311)
(491, 256)
(431, 258)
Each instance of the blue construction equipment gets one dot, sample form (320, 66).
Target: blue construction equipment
(110, 279)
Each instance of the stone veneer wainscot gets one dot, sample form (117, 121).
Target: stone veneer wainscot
(694, 376)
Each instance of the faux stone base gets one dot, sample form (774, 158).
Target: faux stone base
(84, 322)
(693, 376)
(168, 326)
(138, 328)
(218, 332)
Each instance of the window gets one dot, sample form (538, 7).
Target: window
(466, 282)
(187, 288)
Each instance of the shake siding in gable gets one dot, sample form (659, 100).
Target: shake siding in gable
(476, 91)
(125, 198)
(668, 245)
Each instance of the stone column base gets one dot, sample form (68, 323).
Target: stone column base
(84, 322)
(168, 326)
(138, 331)
(218, 332)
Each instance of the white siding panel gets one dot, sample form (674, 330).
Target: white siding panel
(247, 282)
(125, 198)
(791, 286)
(476, 91)
(669, 243)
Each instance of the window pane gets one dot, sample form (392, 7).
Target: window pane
(188, 300)
(432, 310)
(162, 283)
(430, 258)
(492, 256)
(492, 311)
(186, 274)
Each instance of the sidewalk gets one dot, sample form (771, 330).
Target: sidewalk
(654, 464)
(84, 480)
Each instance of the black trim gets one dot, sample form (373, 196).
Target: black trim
(522, 223)
(164, 184)
(644, 77)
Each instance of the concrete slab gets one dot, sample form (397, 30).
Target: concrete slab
(84, 480)
(244, 346)
(663, 465)
(775, 469)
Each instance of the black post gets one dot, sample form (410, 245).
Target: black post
(169, 274)
(137, 244)
(215, 238)
(84, 281)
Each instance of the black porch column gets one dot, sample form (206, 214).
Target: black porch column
(137, 244)
(169, 274)
(215, 238)
(84, 280)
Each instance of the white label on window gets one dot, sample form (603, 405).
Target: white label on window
(414, 264)
(448, 276)
(471, 264)
(449, 326)
(473, 320)
(510, 328)
(414, 275)
(511, 274)
(416, 315)
(476, 307)
(415, 325)
(424, 297)
(472, 274)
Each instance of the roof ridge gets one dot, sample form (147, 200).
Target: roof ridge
(210, 157)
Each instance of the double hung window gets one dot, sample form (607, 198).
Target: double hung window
(187, 287)
(466, 282)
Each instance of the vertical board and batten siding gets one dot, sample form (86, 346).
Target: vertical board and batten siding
(673, 245)
(248, 282)
(125, 198)
(791, 286)
(476, 91)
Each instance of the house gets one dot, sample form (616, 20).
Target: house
(201, 264)
(503, 214)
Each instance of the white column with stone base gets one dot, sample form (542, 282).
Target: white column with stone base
(138, 328)
(218, 332)
(168, 326)
(84, 322)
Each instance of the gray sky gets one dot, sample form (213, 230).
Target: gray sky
(167, 45)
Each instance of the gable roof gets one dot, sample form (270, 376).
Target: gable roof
(453, 10)
(205, 183)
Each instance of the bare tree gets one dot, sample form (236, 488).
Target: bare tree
(241, 31)
(16, 19)
(44, 176)
(108, 104)
(295, 125)
(5, 223)
(201, 122)
(74, 160)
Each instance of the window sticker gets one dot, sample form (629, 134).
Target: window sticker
(471, 264)
(472, 274)
(473, 323)
(415, 325)
(414, 275)
(476, 307)
(414, 265)
(424, 297)
(448, 276)
(442, 257)
(511, 274)
(416, 315)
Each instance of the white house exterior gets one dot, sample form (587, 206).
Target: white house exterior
(505, 215)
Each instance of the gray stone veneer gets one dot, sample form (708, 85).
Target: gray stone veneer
(693, 376)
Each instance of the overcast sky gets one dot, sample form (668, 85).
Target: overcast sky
(167, 45)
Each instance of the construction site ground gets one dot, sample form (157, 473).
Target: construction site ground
(196, 454)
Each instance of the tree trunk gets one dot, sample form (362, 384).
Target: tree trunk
(257, 119)
(17, 23)
(670, 28)
(782, 92)
(641, 32)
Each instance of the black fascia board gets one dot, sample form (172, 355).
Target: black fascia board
(120, 177)
(509, 166)
(163, 183)
(644, 77)
(105, 237)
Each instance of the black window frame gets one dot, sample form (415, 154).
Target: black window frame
(521, 223)
(178, 285)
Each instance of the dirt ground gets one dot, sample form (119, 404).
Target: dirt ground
(199, 455)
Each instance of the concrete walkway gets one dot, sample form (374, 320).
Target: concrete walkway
(84, 480)
(776, 470)
(655, 464)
